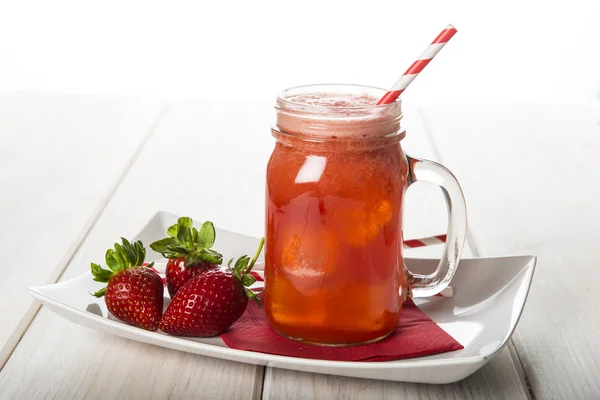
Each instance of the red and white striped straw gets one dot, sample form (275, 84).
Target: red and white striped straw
(429, 241)
(411, 73)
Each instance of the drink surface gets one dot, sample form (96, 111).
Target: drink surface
(337, 100)
(334, 265)
(337, 115)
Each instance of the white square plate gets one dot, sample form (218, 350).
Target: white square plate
(489, 296)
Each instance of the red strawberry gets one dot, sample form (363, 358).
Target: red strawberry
(177, 273)
(189, 252)
(134, 293)
(209, 304)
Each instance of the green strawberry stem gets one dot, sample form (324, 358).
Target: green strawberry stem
(120, 258)
(241, 272)
(185, 241)
(260, 247)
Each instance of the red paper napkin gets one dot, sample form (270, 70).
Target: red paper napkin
(416, 335)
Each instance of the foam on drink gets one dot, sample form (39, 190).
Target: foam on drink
(344, 100)
(344, 115)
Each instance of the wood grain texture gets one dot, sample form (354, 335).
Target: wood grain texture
(57, 359)
(531, 179)
(194, 164)
(60, 157)
(494, 381)
(425, 215)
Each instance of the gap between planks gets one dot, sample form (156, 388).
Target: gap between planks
(259, 382)
(475, 250)
(29, 316)
(520, 370)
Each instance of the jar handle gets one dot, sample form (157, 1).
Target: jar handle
(429, 285)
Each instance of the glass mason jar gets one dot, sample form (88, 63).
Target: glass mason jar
(334, 267)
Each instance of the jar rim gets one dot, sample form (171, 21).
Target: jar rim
(284, 102)
(333, 121)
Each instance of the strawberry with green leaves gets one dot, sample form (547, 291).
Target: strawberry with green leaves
(209, 304)
(134, 293)
(189, 252)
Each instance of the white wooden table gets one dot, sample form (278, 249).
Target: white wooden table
(77, 172)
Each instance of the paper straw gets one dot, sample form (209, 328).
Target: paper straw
(411, 73)
(428, 241)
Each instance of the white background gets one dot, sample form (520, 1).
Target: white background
(505, 51)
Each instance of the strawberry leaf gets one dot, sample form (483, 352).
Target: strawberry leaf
(186, 241)
(207, 255)
(123, 253)
(131, 254)
(162, 245)
(206, 236)
(114, 264)
(179, 249)
(248, 280)
(128, 248)
(183, 233)
(210, 256)
(184, 229)
(100, 292)
(141, 253)
(241, 271)
(240, 266)
(192, 259)
(100, 274)
(123, 256)
(118, 259)
(172, 230)
(185, 222)
(253, 296)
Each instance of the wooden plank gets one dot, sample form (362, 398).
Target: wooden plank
(58, 359)
(530, 175)
(196, 165)
(60, 158)
(493, 381)
(425, 215)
